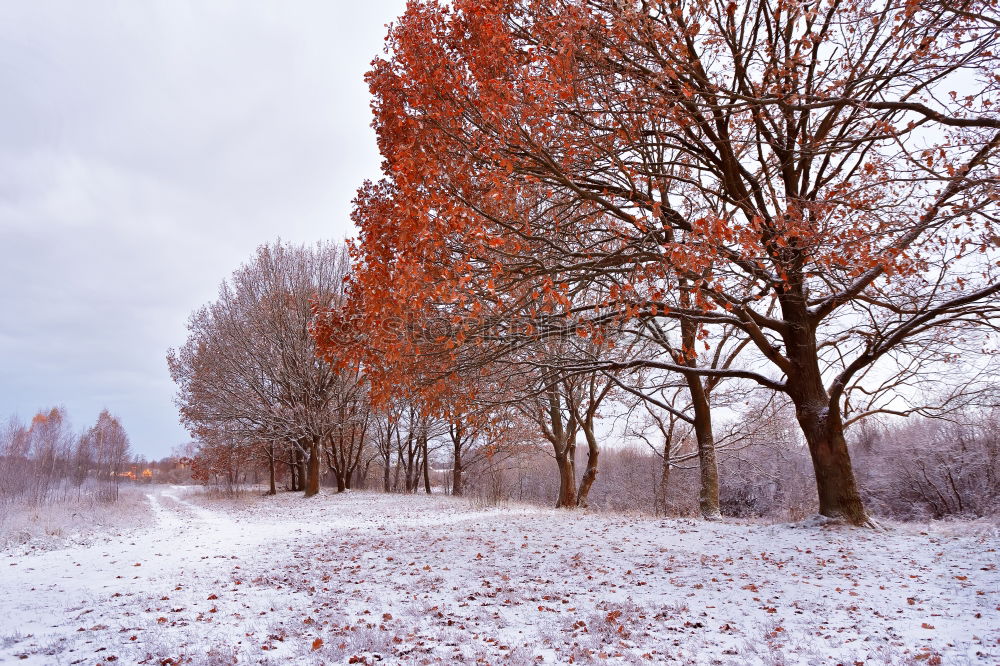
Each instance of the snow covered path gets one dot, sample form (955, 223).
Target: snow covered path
(424, 580)
(54, 606)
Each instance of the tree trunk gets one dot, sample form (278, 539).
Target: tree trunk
(708, 493)
(399, 468)
(427, 468)
(272, 489)
(408, 469)
(312, 472)
(660, 500)
(567, 478)
(590, 475)
(456, 471)
(357, 446)
(835, 483)
(563, 439)
(300, 458)
(819, 418)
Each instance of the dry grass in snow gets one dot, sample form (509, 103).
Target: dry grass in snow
(371, 578)
(26, 528)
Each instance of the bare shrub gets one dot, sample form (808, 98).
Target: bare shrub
(80, 519)
(933, 468)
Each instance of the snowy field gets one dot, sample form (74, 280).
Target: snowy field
(371, 578)
(56, 524)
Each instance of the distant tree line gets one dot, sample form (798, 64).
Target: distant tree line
(45, 460)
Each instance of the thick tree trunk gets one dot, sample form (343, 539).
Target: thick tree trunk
(456, 473)
(708, 492)
(835, 483)
(567, 478)
(819, 417)
(562, 436)
(312, 471)
(455, 431)
(590, 474)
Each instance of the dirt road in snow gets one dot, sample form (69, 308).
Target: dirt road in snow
(130, 598)
(396, 579)
(59, 606)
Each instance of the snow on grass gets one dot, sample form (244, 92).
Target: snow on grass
(25, 528)
(414, 579)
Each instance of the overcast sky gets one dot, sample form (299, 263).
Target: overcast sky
(146, 148)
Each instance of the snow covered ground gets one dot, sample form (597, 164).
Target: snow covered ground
(369, 578)
(25, 527)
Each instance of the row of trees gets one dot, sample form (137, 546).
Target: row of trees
(497, 436)
(915, 470)
(797, 198)
(664, 220)
(47, 461)
(253, 391)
